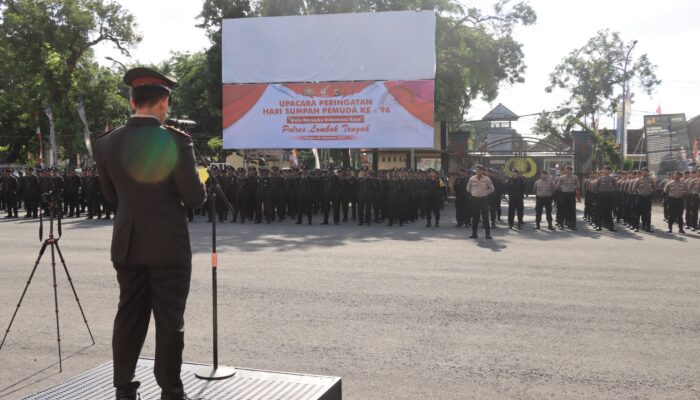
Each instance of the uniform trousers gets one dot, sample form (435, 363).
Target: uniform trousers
(364, 209)
(644, 211)
(163, 290)
(546, 203)
(432, 206)
(692, 213)
(334, 202)
(480, 209)
(462, 210)
(304, 207)
(675, 211)
(515, 204)
(11, 204)
(606, 201)
(568, 209)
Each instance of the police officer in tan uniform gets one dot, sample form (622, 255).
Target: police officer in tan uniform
(676, 190)
(568, 184)
(480, 188)
(643, 190)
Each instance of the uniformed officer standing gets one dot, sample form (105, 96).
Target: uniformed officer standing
(606, 188)
(32, 193)
(10, 186)
(265, 193)
(568, 184)
(144, 164)
(676, 190)
(460, 187)
(692, 203)
(242, 204)
(433, 197)
(364, 187)
(544, 190)
(664, 196)
(480, 187)
(278, 194)
(305, 194)
(643, 189)
(71, 195)
(255, 211)
(331, 196)
(515, 186)
(92, 194)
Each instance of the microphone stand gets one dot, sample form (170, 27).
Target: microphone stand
(215, 371)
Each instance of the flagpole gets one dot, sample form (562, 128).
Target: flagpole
(624, 107)
(41, 145)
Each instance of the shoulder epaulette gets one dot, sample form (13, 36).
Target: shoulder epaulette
(177, 131)
(105, 133)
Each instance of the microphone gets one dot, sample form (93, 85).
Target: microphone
(181, 123)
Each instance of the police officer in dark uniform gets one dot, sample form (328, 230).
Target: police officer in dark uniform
(278, 198)
(72, 194)
(32, 193)
(143, 164)
(516, 190)
(460, 187)
(92, 194)
(230, 189)
(331, 196)
(254, 201)
(433, 198)
(10, 186)
(305, 190)
(265, 195)
(241, 205)
(364, 186)
(57, 186)
(220, 205)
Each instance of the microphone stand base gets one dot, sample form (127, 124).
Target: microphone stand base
(210, 374)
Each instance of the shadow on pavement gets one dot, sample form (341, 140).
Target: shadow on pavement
(27, 381)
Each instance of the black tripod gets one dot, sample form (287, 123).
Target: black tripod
(53, 242)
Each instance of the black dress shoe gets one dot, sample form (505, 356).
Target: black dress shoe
(473, 237)
(130, 394)
(488, 237)
(169, 397)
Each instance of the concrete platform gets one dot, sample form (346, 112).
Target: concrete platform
(248, 384)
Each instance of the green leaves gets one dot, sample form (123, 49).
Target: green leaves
(595, 73)
(47, 49)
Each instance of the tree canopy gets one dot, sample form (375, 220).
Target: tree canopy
(47, 46)
(48, 49)
(593, 76)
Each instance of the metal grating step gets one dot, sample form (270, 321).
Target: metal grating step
(247, 384)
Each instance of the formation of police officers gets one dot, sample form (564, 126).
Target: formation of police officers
(69, 194)
(396, 196)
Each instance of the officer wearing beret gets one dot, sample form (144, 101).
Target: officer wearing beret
(142, 165)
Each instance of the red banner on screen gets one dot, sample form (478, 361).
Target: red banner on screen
(326, 115)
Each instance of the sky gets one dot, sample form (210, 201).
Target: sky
(667, 31)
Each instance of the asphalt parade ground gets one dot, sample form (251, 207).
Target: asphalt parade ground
(398, 312)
